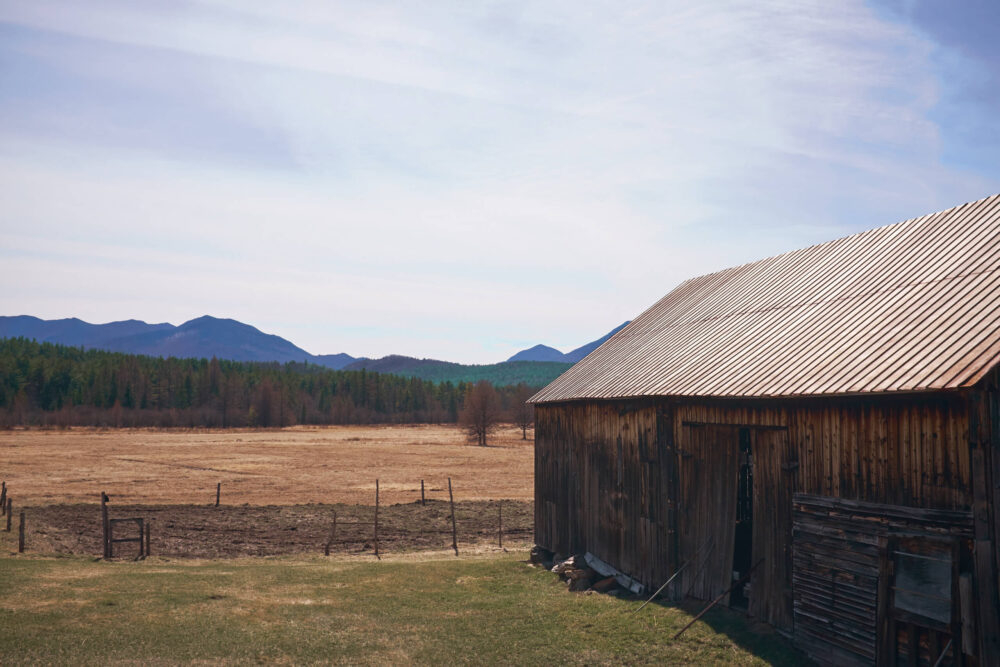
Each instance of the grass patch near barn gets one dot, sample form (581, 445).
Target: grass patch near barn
(417, 608)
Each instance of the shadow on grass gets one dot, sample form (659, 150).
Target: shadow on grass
(750, 634)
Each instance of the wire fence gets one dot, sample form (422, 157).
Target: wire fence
(218, 530)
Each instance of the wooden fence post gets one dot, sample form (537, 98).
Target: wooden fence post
(333, 534)
(20, 534)
(423, 500)
(500, 523)
(218, 493)
(105, 525)
(10, 510)
(376, 521)
(3, 499)
(454, 530)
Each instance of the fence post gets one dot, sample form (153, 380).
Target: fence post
(454, 531)
(423, 500)
(149, 529)
(3, 499)
(20, 534)
(218, 493)
(105, 526)
(376, 521)
(10, 510)
(333, 534)
(500, 523)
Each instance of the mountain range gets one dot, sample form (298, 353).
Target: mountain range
(546, 353)
(207, 337)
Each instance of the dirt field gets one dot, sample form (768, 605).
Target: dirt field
(294, 466)
(193, 531)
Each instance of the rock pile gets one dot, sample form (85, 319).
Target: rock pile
(574, 571)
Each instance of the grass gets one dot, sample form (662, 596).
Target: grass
(416, 609)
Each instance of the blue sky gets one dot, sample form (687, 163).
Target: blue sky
(462, 180)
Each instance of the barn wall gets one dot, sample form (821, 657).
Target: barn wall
(910, 451)
(607, 475)
(599, 485)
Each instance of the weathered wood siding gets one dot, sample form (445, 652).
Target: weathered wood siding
(840, 549)
(604, 469)
(908, 450)
(598, 485)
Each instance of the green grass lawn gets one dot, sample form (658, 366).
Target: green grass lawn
(411, 609)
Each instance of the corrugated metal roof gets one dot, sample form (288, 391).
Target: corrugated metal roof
(907, 307)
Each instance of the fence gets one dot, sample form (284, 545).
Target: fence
(214, 529)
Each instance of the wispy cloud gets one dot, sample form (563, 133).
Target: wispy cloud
(456, 178)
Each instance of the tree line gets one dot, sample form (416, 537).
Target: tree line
(45, 384)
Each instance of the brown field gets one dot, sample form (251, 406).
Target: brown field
(293, 466)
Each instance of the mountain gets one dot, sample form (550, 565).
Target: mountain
(546, 353)
(334, 361)
(203, 337)
(539, 353)
(207, 336)
(73, 331)
(582, 351)
(212, 337)
(532, 373)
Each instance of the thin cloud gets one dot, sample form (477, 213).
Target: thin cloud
(446, 180)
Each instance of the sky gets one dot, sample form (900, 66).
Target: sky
(461, 180)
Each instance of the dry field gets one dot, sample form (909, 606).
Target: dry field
(294, 466)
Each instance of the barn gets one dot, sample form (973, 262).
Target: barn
(826, 419)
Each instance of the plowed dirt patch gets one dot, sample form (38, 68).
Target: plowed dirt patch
(193, 531)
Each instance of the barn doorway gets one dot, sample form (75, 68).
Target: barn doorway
(743, 538)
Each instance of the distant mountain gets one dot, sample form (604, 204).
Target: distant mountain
(539, 353)
(203, 337)
(334, 361)
(533, 373)
(546, 353)
(73, 331)
(582, 351)
(212, 337)
(207, 337)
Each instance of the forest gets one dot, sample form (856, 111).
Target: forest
(49, 385)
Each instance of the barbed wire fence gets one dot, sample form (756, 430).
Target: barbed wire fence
(217, 529)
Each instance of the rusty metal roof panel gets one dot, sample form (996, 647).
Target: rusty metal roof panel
(912, 306)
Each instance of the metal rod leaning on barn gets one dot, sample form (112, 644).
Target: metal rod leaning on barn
(454, 530)
(716, 600)
(673, 576)
(944, 652)
(701, 568)
(20, 534)
(376, 521)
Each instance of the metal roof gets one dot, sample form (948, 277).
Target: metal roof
(912, 306)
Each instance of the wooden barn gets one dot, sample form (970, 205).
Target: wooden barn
(827, 418)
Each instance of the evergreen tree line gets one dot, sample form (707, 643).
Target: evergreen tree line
(44, 384)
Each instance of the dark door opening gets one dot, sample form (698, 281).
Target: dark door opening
(743, 542)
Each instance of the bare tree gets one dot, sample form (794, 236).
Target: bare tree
(523, 412)
(481, 413)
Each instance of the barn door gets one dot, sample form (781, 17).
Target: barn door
(774, 477)
(709, 460)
